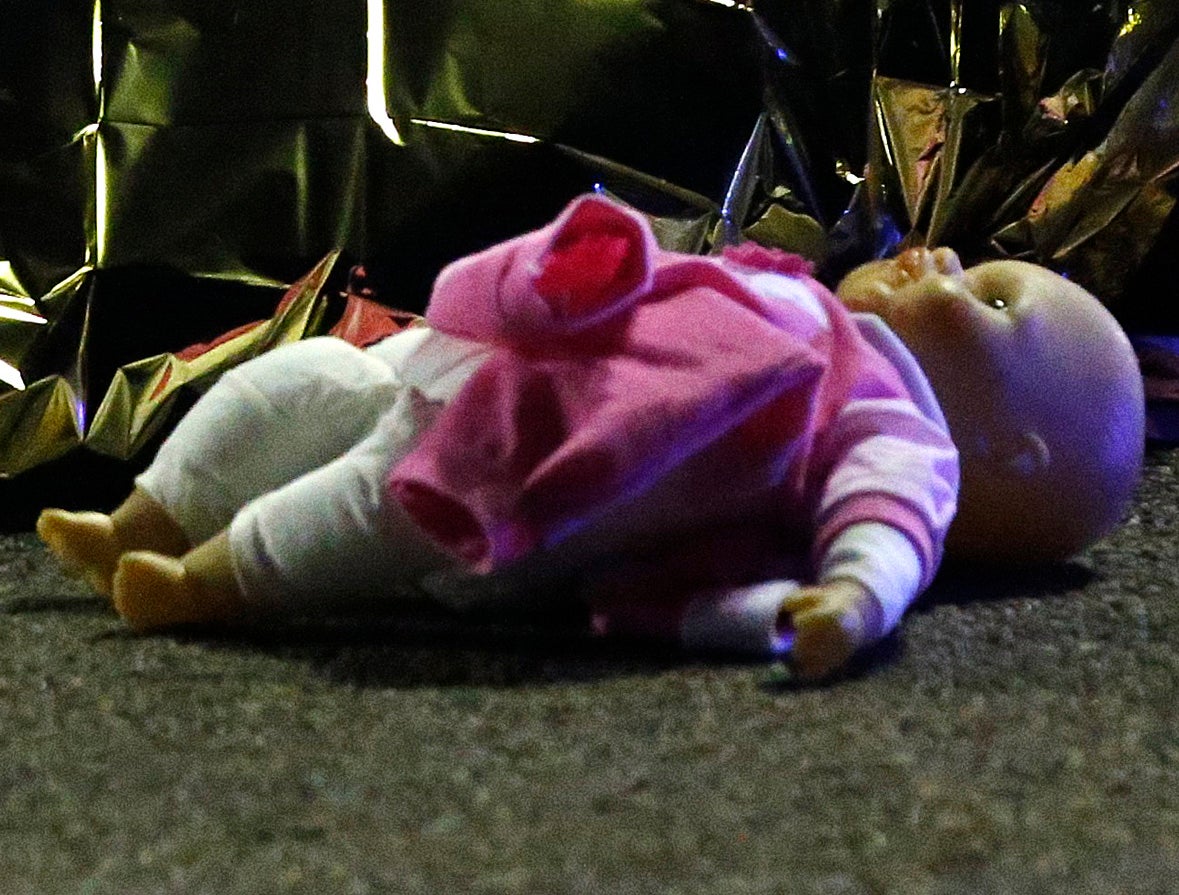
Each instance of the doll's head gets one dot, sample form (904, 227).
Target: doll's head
(1040, 388)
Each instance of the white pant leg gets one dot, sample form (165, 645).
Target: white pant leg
(267, 422)
(332, 534)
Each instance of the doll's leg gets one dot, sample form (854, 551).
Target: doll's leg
(263, 424)
(152, 591)
(90, 543)
(320, 541)
(240, 574)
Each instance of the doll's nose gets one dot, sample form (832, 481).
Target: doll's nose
(912, 262)
(946, 261)
(917, 262)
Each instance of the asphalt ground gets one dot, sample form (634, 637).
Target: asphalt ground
(1019, 735)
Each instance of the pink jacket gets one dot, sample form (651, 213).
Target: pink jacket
(623, 375)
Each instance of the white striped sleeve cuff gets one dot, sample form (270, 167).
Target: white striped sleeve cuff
(880, 558)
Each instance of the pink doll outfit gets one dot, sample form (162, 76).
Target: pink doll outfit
(691, 435)
(662, 402)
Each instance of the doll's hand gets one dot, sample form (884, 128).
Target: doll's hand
(830, 622)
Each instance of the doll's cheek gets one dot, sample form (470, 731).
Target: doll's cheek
(959, 326)
(865, 294)
(870, 283)
(930, 324)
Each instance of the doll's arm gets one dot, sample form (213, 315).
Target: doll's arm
(882, 516)
(869, 576)
(884, 507)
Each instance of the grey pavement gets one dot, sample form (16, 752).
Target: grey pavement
(1019, 736)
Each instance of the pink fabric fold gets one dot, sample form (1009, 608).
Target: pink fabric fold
(614, 365)
(534, 448)
(590, 264)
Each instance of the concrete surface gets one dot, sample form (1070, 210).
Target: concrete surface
(1019, 736)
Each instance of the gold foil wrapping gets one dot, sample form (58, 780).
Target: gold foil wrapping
(166, 167)
(1065, 155)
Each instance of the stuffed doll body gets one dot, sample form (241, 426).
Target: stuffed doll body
(679, 439)
(710, 450)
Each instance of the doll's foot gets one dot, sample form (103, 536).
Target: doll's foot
(85, 543)
(153, 592)
(830, 622)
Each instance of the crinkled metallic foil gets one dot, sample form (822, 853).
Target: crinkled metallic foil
(166, 166)
(1047, 131)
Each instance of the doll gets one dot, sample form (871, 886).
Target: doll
(711, 449)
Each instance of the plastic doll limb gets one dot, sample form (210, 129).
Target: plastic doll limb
(829, 621)
(142, 523)
(84, 543)
(154, 592)
(89, 544)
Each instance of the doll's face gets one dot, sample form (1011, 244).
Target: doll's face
(978, 333)
(1040, 388)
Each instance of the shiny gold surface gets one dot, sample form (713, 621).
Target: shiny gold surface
(238, 143)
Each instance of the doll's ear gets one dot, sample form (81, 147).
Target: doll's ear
(598, 262)
(1027, 455)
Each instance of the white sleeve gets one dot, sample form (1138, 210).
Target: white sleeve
(741, 620)
(880, 558)
(744, 619)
